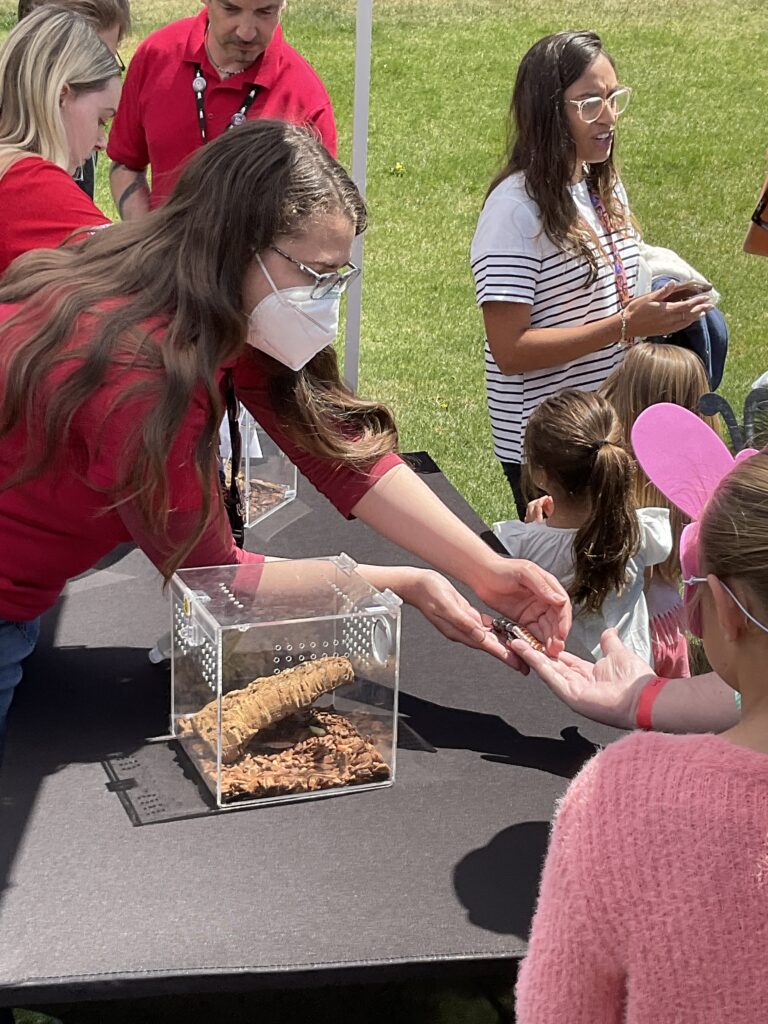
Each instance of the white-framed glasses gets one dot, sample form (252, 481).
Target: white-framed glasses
(339, 279)
(693, 580)
(592, 107)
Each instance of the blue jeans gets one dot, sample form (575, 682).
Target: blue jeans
(17, 641)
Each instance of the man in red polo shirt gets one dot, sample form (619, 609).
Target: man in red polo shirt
(195, 78)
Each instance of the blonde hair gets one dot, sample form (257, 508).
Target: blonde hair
(733, 534)
(48, 50)
(576, 438)
(653, 373)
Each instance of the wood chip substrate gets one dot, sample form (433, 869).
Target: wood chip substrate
(308, 751)
(262, 496)
(273, 743)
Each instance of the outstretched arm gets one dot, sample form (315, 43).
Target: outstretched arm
(441, 605)
(402, 508)
(609, 691)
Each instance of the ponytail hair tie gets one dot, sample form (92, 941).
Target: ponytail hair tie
(597, 445)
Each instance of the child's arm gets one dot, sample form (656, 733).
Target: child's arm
(540, 509)
(609, 690)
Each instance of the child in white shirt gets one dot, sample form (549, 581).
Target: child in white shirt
(593, 540)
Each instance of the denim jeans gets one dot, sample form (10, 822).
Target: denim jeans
(17, 641)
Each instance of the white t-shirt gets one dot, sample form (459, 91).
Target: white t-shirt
(552, 549)
(514, 261)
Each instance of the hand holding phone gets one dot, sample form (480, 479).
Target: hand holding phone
(687, 290)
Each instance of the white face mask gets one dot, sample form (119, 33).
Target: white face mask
(291, 326)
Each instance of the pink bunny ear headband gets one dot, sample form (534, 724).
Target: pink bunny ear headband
(686, 460)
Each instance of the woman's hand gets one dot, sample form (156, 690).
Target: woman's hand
(539, 509)
(450, 613)
(528, 595)
(402, 508)
(606, 692)
(651, 314)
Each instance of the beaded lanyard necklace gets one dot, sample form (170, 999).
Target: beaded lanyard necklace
(199, 84)
(620, 274)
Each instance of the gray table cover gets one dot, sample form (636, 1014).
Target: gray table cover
(437, 872)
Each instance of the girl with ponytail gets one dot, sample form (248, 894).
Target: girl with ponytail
(587, 531)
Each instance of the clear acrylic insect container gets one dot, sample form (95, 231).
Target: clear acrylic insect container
(267, 476)
(285, 679)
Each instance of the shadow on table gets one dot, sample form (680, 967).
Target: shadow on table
(74, 705)
(499, 882)
(495, 739)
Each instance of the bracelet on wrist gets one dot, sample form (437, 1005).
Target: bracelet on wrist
(624, 340)
(648, 696)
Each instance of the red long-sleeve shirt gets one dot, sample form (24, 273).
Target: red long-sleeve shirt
(61, 522)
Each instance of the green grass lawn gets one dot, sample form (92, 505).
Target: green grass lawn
(690, 148)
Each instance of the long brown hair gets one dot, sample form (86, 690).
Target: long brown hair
(575, 437)
(176, 277)
(540, 145)
(652, 373)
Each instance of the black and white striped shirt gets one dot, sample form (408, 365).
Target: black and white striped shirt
(514, 261)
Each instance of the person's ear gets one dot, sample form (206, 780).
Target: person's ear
(729, 616)
(66, 93)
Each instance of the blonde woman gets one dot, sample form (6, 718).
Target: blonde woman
(59, 86)
(111, 19)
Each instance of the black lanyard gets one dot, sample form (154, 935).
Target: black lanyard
(199, 83)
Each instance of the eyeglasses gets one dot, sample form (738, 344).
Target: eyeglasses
(324, 283)
(592, 107)
(693, 580)
(120, 62)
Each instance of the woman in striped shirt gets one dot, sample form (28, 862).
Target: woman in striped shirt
(555, 253)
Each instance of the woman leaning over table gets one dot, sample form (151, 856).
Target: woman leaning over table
(113, 358)
(555, 253)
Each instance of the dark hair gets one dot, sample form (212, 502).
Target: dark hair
(576, 438)
(102, 14)
(176, 277)
(540, 144)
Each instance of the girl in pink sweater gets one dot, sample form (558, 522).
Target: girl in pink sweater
(653, 906)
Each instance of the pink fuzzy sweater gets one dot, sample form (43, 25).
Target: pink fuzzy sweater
(654, 899)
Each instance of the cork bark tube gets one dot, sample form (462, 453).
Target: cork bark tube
(267, 700)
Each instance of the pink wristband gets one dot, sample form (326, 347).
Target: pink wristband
(648, 695)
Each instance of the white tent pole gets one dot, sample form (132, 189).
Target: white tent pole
(363, 39)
